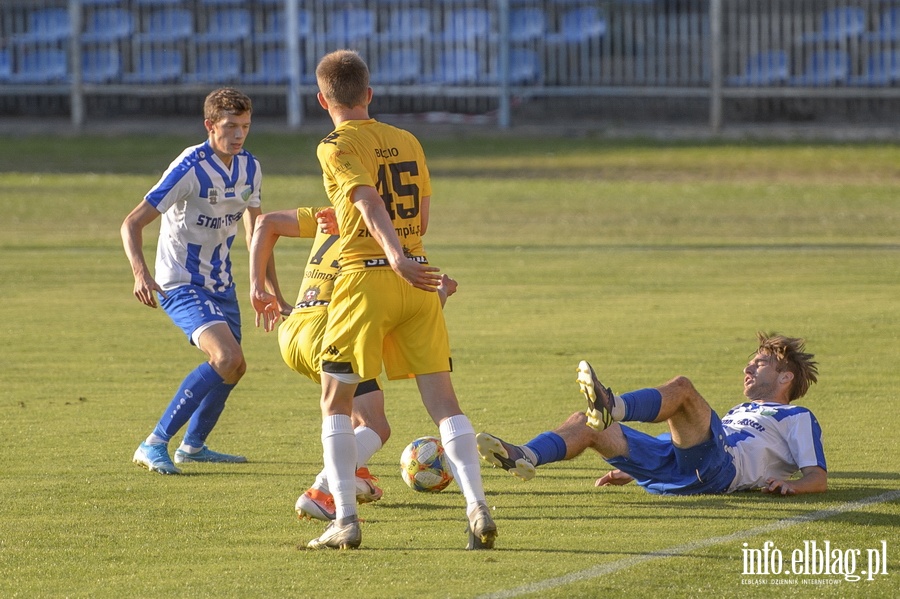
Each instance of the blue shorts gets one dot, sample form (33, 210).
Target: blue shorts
(191, 307)
(661, 468)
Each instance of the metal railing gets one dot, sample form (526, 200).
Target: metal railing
(469, 55)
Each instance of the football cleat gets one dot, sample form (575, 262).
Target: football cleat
(347, 536)
(501, 454)
(601, 400)
(481, 528)
(315, 505)
(366, 489)
(155, 458)
(207, 455)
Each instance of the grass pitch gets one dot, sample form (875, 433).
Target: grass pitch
(648, 259)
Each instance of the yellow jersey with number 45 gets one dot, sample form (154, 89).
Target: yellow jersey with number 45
(366, 152)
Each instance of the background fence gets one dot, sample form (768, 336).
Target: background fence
(512, 59)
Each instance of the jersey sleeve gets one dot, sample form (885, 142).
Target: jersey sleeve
(306, 218)
(342, 165)
(176, 183)
(255, 175)
(805, 441)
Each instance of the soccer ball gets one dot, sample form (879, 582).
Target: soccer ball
(424, 466)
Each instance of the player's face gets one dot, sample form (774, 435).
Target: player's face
(227, 135)
(761, 378)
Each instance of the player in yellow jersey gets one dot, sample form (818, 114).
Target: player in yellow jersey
(384, 310)
(300, 338)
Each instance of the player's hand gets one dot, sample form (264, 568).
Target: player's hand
(614, 477)
(285, 308)
(420, 276)
(778, 487)
(327, 221)
(448, 286)
(268, 311)
(145, 290)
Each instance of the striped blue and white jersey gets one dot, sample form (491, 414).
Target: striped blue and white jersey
(771, 440)
(201, 202)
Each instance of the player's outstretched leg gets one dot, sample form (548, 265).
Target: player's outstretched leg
(501, 454)
(339, 536)
(481, 528)
(601, 400)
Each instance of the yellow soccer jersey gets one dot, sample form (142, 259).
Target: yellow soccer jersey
(389, 159)
(322, 265)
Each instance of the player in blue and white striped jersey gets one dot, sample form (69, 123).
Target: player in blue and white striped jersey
(201, 197)
(758, 445)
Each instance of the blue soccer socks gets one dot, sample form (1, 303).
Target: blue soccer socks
(642, 405)
(547, 447)
(206, 415)
(194, 388)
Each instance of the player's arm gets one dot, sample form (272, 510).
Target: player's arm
(814, 479)
(132, 231)
(424, 211)
(446, 288)
(371, 206)
(269, 227)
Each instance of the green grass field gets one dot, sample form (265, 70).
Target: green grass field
(648, 259)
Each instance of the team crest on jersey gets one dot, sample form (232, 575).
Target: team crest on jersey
(311, 294)
(245, 193)
(213, 194)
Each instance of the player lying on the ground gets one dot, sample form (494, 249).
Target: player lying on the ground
(759, 444)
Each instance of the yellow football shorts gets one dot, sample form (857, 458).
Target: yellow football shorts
(376, 317)
(300, 340)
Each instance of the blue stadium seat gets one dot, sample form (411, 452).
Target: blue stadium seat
(882, 69)
(527, 24)
(580, 25)
(888, 27)
(839, 24)
(41, 66)
(167, 25)
(824, 68)
(349, 26)
(158, 2)
(763, 68)
(273, 69)
(101, 65)
(524, 68)
(215, 66)
(5, 65)
(407, 25)
(456, 67)
(274, 32)
(227, 26)
(46, 25)
(465, 25)
(108, 25)
(156, 65)
(398, 66)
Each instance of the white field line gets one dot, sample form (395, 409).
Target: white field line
(612, 567)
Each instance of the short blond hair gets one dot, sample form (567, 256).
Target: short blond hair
(343, 78)
(790, 354)
(225, 101)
